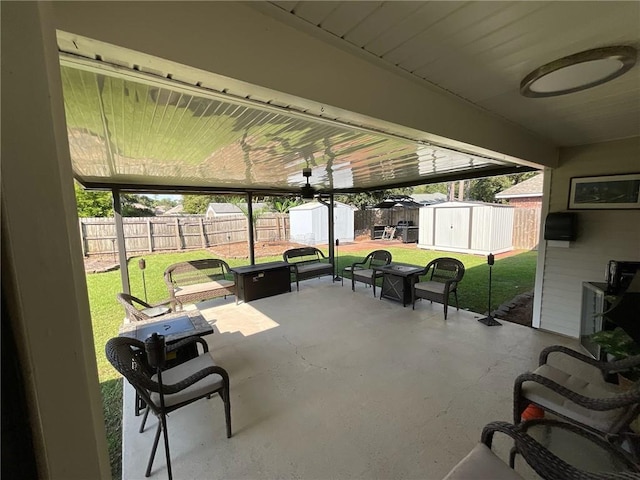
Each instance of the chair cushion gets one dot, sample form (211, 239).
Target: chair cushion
(314, 267)
(203, 287)
(363, 274)
(596, 388)
(208, 384)
(481, 462)
(430, 286)
(155, 311)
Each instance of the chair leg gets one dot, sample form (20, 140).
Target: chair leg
(353, 283)
(445, 310)
(455, 294)
(227, 411)
(153, 449)
(144, 419)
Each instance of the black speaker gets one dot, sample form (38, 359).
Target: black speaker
(561, 226)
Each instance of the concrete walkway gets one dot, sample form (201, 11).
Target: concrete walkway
(330, 383)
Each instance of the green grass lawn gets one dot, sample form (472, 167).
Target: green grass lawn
(511, 276)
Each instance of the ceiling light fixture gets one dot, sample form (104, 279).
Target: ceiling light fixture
(579, 71)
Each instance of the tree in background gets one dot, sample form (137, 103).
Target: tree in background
(369, 199)
(197, 204)
(100, 204)
(432, 188)
(485, 189)
(92, 203)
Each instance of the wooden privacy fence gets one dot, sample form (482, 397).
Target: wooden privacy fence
(526, 228)
(156, 234)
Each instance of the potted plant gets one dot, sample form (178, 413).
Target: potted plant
(618, 345)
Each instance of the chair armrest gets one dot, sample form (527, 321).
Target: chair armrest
(544, 355)
(621, 365)
(171, 347)
(599, 404)
(196, 377)
(540, 459)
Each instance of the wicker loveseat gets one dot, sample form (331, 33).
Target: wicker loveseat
(198, 280)
(307, 262)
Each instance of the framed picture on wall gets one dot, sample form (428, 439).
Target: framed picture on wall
(605, 192)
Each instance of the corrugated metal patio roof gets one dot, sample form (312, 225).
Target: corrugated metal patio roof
(136, 131)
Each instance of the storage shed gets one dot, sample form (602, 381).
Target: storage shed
(467, 227)
(309, 223)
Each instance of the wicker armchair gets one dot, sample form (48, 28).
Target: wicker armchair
(442, 278)
(182, 385)
(148, 311)
(363, 272)
(600, 406)
(481, 462)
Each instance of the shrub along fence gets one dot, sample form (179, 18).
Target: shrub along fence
(156, 234)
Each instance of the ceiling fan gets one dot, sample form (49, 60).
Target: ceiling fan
(307, 191)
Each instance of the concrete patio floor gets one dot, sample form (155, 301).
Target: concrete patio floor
(330, 383)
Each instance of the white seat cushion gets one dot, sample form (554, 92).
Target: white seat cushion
(596, 388)
(313, 267)
(202, 287)
(430, 286)
(210, 383)
(155, 311)
(481, 463)
(364, 274)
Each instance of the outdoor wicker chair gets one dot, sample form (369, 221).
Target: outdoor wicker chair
(598, 405)
(363, 272)
(442, 278)
(198, 280)
(181, 385)
(482, 462)
(148, 311)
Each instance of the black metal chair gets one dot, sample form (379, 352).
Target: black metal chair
(363, 271)
(181, 385)
(442, 278)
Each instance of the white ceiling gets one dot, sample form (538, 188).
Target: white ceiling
(480, 51)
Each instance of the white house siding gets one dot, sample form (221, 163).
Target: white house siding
(603, 235)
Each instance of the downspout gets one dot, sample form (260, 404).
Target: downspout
(122, 248)
(252, 253)
(330, 225)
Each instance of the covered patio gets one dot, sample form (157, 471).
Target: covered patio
(354, 387)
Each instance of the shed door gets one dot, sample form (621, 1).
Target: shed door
(452, 227)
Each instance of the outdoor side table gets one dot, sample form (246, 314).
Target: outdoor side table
(396, 281)
(577, 447)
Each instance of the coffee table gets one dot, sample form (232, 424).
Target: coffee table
(576, 446)
(396, 281)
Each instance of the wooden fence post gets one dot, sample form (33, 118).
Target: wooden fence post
(149, 236)
(202, 235)
(82, 239)
(178, 238)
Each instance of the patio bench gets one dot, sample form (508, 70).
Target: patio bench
(198, 280)
(307, 262)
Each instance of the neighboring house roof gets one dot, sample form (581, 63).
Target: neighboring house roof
(528, 188)
(231, 209)
(177, 210)
(426, 198)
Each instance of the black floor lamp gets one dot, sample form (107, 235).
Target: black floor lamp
(337, 277)
(489, 321)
